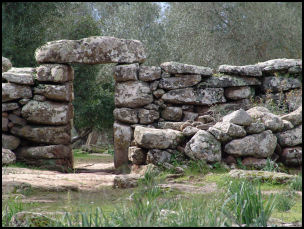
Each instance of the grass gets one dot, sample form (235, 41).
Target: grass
(285, 201)
(296, 184)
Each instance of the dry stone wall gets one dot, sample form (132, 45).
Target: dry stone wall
(160, 110)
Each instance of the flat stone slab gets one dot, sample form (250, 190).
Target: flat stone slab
(261, 175)
(277, 84)
(228, 81)
(92, 50)
(279, 64)
(20, 75)
(181, 81)
(180, 68)
(56, 92)
(246, 70)
(11, 91)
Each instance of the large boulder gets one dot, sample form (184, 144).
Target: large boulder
(257, 145)
(271, 121)
(180, 81)
(132, 94)
(179, 68)
(125, 72)
(44, 134)
(47, 112)
(11, 91)
(294, 117)
(92, 50)
(6, 64)
(206, 96)
(127, 115)
(246, 70)
(58, 73)
(151, 138)
(20, 75)
(56, 92)
(291, 137)
(203, 146)
(238, 117)
(8, 157)
(45, 152)
(122, 140)
(10, 142)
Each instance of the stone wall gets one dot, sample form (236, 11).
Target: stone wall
(159, 109)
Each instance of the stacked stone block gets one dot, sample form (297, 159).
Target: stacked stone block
(37, 113)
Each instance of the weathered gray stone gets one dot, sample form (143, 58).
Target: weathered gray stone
(132, 94)
(295, 69)
(6, 64)
(47, 112)
(291, 137)
(279, 64)
(9, 106)
(292, 156)
(11, 91)
(277, 84)
(8, 157)
(255, 128)
(158, 93)
(294, 117)
(257, 145)
(17, 112)
(236, 93)
(137, 155)
(4, 123)
(58, 73)
(271, 121)
(157, 138)
(233, 130)
(203, 146)
(239, 117)
(181, 81)
(204, 126)
(149, 73)
(147, 116)
(287, 125)
(205, 119)
(189, 131)
(20, 75)
(125, 72)
(228, 81)
(127, 115)
(154, 85)
(172, 113)
(170, 125)
(293, 99)
(91, 50)
(23, 101)
(189, 116)
(122, 141)
(179, 68)
(246, 70)
(252, 162)
(33, 219)
(152, 106)
(39, 98)
(17, 120)
(158, 157)
(228, 106)
(219, 134)
(44, 134)
(206, 96)
(45, 152)
(56, 92)
(10, 142)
